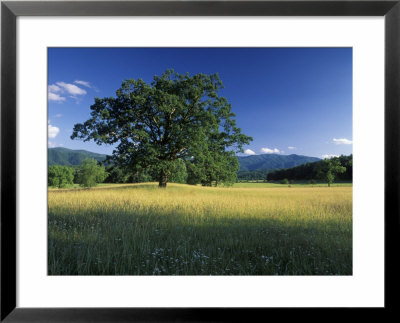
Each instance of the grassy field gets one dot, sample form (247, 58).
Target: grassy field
(249, 229)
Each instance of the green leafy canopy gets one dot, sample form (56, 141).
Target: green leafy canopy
(329, 168)
(60, 176)
(174, 117)
(90, 173)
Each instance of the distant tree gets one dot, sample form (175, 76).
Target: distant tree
(312, 182)
(116, 174)
(213, 167)
(90, 173)
(285, 181)
(153, 125)
(60, 176)
(140, 176)
(346, 161)
(329, 168)
(223, 168)
(178, 172)
(253, 175)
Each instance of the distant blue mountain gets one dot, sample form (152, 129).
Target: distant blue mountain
(273, 161)
(69, 157)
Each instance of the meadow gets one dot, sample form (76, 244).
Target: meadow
(247, 229)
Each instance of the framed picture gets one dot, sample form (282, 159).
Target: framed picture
(312, 77)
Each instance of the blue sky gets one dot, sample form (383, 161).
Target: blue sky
(290, 100)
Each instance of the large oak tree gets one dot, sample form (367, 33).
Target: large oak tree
(174, 117)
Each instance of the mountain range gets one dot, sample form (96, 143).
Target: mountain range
(273, 161)
(69, 157)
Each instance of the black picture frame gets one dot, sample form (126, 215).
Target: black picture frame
(10, 10)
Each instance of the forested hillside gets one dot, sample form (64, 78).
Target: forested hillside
(310, 171)
(68, 157)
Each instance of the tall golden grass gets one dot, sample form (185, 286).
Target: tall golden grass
(140, 229)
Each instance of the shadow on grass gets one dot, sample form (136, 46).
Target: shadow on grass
(176, 244)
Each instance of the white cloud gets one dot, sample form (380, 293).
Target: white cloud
(270, 151)
(84, 83)
(328, 156)
(71, 88)
(55, 97)
(52, 131)
(342, 141)
(291, 148)
(249, 152)
(57, 92)
(58, 115)
(54, 88)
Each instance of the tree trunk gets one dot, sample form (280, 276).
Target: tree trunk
(162, 183)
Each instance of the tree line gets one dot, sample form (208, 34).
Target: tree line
(88, 174)
(92, 172)
(252, 175)
(328, 170)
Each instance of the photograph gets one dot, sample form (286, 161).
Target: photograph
(199, 161)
